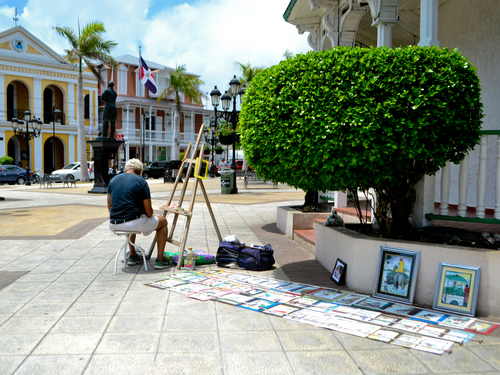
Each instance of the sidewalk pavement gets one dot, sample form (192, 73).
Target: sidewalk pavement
(62, 311)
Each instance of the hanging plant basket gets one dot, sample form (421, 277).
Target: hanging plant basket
(219, 151)
(226, 139)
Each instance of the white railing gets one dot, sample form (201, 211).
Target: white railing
(134, 136)
(477, 181)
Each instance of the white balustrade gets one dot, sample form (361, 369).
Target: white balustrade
(463, 180)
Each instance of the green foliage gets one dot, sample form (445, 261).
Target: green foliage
(224, 129)
(6, 160)
(361, 118)
(219, 149)
(183, 82)
(181, 155)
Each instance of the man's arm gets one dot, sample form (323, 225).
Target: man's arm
(109, 202)
(148, 208)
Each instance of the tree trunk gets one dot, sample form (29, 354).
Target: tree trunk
(311, 200)
(176, 135)
(82, 145)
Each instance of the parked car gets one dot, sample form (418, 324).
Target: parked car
(156, 169)
(73, 168)
(239, 166)
(12, 174)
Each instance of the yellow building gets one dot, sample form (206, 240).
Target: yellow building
(35, 78)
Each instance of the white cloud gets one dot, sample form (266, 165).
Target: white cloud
(207, 36)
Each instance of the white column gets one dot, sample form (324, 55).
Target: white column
(71, 149)
(37, 98)
(340, 199)
(70, 115)
(3, 142)
(192, 136)
(429, 23)
(497, 185)
(445, 189)
(384, 34)
(2, 101)
(38, 153)
(481, 178)
(126, 127)
(425, 188)
(150, 148)
(463, 185)
(127, 152)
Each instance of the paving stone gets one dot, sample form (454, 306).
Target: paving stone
(257, 363)
(29, 324)
(246, 340)
(54, 364)
(9, 363)
(182, 342)
(308, 340)
(18, 343)
(68, 343)
(398, 361)
(322, 362)
(123, 364)
(189, 363)
(132, 343)
(81, 324)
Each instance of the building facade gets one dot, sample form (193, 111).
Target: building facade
(469, 26)
(35, 78)
(143, 122)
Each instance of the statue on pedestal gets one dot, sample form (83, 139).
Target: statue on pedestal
(109, 96)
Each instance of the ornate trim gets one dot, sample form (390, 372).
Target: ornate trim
(313, 38)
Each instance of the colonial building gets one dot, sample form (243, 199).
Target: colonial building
(35, 78)
(145, 123)
(473, 187)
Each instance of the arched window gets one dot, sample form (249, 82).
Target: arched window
(86, 115)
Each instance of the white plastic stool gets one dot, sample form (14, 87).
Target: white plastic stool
(138, 249)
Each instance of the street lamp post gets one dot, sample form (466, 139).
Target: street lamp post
(28, 134)
(212, 140)
(54, 112)
(231, 117)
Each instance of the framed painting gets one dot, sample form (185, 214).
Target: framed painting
(338, 273)
(397, 274)
(456, 289)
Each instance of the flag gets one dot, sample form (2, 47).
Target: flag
(147, 77)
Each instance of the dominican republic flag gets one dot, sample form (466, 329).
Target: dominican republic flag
(147, 77)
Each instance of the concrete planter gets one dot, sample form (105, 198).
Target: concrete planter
(361, 252)
(289, 219)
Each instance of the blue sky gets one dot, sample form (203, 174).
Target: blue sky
(206, 36)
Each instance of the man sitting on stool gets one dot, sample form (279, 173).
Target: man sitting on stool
(130, 209)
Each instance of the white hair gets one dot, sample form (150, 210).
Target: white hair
(134, 164)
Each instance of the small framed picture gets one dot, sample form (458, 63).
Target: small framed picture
(24, 155)
(397, 274)
(338, 273)
(456, 289)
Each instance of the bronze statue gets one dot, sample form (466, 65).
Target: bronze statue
(109, 96)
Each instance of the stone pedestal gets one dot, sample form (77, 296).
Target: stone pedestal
(104, 150)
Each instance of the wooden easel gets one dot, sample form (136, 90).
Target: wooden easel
(188, 213)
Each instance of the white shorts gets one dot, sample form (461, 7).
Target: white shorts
(144, 224)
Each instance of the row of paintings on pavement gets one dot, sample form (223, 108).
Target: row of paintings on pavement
(334, 309)
(456, 287)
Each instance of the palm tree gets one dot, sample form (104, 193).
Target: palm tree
(181, 82)
(248, 72)
(87, 47)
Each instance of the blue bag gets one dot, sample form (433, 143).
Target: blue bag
(256, 258)
(227, 252)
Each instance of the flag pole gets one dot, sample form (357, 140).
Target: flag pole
(140, 106)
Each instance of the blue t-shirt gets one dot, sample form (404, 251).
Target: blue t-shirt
(128, 192)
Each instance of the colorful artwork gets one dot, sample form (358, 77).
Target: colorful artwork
(456, 288)
(338, 273)
(429, 316)
(373, 304)
(484, 328)
(396, 274)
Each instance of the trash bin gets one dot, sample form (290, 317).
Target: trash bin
(226, 180)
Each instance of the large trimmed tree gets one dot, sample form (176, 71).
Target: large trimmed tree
(181, 82)
(87, 47)
(352, 118)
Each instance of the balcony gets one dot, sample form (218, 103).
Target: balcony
(155, 137)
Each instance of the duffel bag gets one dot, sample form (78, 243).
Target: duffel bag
(226, 253)
(257, 258)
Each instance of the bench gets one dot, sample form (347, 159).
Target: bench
(45, 181)
(69, 180)
(252, 176)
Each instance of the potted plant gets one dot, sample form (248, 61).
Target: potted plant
(219, 150)
(225, 133)
(206, 151)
